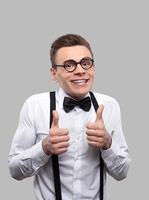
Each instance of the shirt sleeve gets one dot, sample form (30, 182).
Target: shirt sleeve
(26, 157)
(116, 158)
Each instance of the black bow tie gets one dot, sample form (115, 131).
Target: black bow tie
(70, 103)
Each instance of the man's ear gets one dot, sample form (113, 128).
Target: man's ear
(53, 73)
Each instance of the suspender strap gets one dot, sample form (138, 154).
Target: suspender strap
(95, 104)
(55, 163)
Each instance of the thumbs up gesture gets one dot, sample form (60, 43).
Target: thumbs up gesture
(97, 134)
(57, 141)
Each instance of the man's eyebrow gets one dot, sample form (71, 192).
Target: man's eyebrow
(69, 60)
(86, 57)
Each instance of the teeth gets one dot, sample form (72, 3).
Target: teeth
(79, 81)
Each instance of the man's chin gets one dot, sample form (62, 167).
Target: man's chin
(78, 95)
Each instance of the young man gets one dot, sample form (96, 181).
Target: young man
(79, 137)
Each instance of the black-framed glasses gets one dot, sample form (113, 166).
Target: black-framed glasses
(70, 65)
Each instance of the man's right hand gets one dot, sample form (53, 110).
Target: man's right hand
(57, 141)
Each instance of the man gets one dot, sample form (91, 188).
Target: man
(79, 137)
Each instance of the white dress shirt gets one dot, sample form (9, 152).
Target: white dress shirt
(79, 166)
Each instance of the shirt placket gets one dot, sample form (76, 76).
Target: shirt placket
(77, 159)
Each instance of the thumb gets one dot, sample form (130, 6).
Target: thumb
(99, 113)
(55, 119)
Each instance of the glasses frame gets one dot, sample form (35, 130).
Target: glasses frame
(76, 64)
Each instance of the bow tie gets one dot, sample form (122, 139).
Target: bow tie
(70, 103)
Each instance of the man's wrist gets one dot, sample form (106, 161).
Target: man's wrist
(108, 143)
(44, 147)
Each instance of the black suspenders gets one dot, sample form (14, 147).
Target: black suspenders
(95, 104)
(55, 163)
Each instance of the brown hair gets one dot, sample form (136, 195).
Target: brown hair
(67, 41)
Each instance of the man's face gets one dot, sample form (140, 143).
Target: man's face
(79, 82)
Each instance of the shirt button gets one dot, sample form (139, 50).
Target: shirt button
(75, 157)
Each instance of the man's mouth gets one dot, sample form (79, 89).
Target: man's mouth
(79, 81)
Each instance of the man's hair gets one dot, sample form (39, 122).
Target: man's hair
(67, 40)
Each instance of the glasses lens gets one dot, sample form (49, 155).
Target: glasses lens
(86, 63)
(70, 65)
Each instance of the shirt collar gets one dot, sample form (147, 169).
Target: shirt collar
(60, 94)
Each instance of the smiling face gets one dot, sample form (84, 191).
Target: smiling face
(79, 82)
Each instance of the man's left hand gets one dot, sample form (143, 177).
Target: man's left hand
(97, 134)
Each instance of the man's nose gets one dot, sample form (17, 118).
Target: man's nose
(79, 69)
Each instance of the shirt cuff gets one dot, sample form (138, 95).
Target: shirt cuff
(37, 155)
(111, 152)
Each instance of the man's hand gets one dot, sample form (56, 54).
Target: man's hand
(57, 141)
(97, 135)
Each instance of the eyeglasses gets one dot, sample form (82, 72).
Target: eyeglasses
(70, 65)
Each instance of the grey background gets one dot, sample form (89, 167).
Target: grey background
(119, 34)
